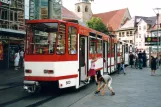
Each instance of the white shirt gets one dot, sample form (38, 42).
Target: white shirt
(17, 56)
(21, 53)
(92, 65)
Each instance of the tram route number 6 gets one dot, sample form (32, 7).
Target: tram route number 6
(68, 82)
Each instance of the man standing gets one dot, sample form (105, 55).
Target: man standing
(103, 82)
(21, 58)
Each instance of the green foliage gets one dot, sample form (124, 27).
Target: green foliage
(97, 24)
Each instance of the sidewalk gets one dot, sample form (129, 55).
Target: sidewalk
(135, 89)
(10, 77)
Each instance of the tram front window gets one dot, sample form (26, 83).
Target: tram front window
(41, 38)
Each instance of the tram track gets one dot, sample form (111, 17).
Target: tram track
(4, 87)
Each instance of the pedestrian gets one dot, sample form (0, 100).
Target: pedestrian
(153, 65)
(140, 56)
(131, 57)
(21, 58)
(104, 82)
(92, 71)
(144, 59)
(123, 67)
(16, 60)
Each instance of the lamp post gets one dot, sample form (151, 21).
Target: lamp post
(156, 11)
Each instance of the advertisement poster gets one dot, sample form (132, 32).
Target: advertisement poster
(1, 51)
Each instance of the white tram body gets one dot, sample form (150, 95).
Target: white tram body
(49, 58)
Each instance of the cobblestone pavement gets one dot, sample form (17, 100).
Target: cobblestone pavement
(135, 89)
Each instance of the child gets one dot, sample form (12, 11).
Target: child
(123, 66)
(92, 71)
(106, 81)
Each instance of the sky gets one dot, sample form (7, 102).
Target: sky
(136, 7)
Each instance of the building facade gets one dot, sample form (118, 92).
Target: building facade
(12, 30)
(142, 32)
(127, 32)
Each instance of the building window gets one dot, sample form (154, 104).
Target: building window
(86, 9)
(139, 27)
(127, 33)
(131, 41)
(139, 43)
(78, 9)
(72, 38)
(120, 34)
(139, 35)
(130, 33)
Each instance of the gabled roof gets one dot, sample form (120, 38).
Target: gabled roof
(112, 19)
(66, 14)
(128, 25)
(149, 20)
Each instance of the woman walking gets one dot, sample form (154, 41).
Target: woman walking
(153, 65)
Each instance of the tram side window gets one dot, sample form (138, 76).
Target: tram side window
(99, 46)
(113, 47)
(109, 47)
(92, 45)
(61, 39)
(118, 48)
(72, 40)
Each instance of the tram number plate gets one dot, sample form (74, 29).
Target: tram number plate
(68, 82)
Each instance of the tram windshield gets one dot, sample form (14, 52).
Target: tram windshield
(41, 38)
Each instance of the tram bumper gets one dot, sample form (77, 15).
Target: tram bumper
(31, 86)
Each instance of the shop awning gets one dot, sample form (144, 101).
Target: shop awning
(12, 33)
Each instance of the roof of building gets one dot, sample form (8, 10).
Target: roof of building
(67, 14)
(129, 24)
(149, 20)
(112, 19)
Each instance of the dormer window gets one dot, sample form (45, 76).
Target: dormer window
(78, 9)
(86, 9)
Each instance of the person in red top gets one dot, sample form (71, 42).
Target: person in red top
(92, 71)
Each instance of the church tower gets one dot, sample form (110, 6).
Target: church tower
(83, 10)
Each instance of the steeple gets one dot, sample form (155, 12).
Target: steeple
(83, 10)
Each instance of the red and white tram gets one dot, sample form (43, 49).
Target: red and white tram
(61, 52)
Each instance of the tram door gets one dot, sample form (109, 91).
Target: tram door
(115, 56)
(105, 58)
(83, 57)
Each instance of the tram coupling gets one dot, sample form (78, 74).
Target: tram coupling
(31, 86)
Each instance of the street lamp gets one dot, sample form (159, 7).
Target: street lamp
(156, 11)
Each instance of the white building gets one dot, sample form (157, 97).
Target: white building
(127, 31)
(135, 30)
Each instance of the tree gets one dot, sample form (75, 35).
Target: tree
(97, 24)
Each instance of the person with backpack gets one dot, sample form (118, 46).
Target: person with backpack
(103, 82)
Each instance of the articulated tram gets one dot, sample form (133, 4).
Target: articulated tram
(61, 52)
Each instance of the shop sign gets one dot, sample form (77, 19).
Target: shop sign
(1, 51)
(6, 1)
(152, 39)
